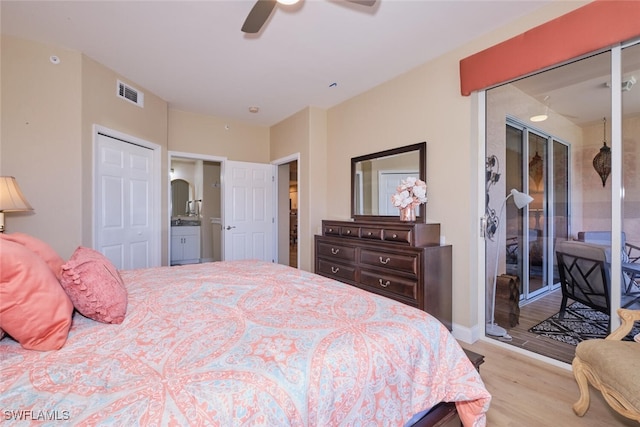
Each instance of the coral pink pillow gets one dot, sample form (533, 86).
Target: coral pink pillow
(34, 309)
(42, 249)
(94, 286)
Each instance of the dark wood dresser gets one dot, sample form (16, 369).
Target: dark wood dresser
(400, 260)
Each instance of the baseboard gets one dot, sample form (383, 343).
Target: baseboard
(466, 334)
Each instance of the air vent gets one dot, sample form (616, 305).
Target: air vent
(131, 94)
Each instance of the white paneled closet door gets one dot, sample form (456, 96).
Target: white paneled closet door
(125, 179)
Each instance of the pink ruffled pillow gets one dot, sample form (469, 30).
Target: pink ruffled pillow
(94, 286)
(34, 309)
(42, 249)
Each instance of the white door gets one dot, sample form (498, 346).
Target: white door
(125, 179)
(249, 222)
(389, 182)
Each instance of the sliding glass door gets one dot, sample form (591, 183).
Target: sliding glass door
(630, 209)
(569, 138)
(537, 164)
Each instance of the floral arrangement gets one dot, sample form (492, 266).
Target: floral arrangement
(411, 192)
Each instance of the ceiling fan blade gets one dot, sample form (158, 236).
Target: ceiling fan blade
(258, 16)
(363, 2)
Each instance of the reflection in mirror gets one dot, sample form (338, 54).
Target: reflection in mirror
(376, 176)
(180, 194)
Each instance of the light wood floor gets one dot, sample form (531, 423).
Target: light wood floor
(531, 393)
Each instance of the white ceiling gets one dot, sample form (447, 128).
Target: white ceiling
(193, 55)
(581, 90)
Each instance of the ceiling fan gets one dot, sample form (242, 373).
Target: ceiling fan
(263, 9)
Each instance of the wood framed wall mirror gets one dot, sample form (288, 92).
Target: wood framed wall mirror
(375, 176)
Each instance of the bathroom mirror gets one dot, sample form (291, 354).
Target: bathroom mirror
(180, 195)
(375, 176)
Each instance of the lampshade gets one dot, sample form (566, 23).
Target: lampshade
(11, 198)
(491, 221)
(520, 199)
(602, 160)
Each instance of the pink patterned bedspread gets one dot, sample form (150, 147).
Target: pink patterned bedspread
(243, 343)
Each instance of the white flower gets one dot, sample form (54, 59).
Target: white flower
(411, 192)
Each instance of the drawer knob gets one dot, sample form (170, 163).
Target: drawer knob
(369, 233)
(334, 270)
(330, 230)
(348, 231)
(384, 261)
(335, 251)
(383, 283)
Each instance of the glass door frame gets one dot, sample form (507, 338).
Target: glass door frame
(617, 188)
(548, 208)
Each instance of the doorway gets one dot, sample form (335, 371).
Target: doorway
(288, 203)
(589, 112)
(213, 182)
(196, 210)
(537, 163)
(126, 194)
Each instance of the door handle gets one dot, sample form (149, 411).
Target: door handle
(229, 227)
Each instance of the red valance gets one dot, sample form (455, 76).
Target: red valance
(597, 25)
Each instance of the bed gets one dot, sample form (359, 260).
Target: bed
(237, 343)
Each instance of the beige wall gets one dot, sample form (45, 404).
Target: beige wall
(47, 140)
(41, 140)
(214, 136)
(305, 133)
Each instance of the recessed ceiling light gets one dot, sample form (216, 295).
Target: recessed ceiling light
(254, 109)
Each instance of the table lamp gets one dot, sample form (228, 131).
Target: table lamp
(11, 198)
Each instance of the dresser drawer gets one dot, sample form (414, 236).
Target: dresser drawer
(350, 231)
(331, 230)
(334, 251)
(336, 270)
(371, 233)
(386, 282)
(406, 263)
(391, 235)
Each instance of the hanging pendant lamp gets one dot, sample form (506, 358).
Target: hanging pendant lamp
(536, 169)
(602, 160)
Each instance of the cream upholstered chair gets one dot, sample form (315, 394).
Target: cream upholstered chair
(611, 366)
